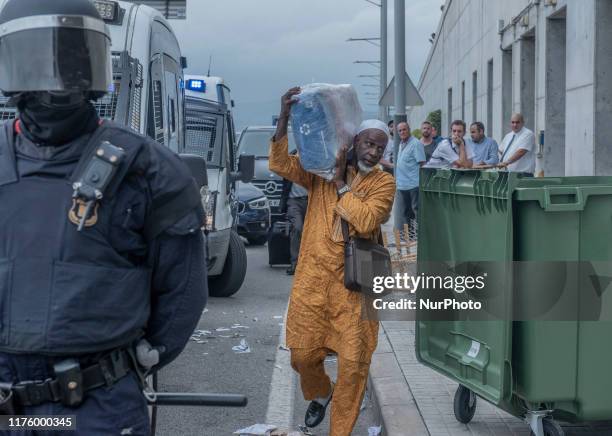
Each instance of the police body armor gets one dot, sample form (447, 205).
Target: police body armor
(64, 291)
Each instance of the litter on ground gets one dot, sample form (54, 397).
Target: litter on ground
(242, 348)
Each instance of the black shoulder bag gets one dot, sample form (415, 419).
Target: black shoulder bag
(363, 261)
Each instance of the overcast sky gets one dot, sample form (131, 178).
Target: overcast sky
(263, 47)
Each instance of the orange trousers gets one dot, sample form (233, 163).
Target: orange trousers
(348, 391)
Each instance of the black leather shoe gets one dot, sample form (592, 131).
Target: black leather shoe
(291, 270)
(316, 412)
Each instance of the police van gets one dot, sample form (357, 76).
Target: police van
(210, 134)
(146, 94)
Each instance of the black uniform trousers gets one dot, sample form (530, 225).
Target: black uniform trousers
(296, 212)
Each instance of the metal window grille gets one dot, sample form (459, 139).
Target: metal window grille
(158, 114)
(201, 136)
(107, 105)
(136, 103)
(6, 112)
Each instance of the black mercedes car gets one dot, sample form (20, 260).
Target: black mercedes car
(253, 213)
(256, 141)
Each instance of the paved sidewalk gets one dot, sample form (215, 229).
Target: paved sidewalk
(430, 393)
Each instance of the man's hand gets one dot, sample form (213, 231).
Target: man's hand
(340, 174)
(147, 355)
(287, 101)
(502, 165)
(457, 140)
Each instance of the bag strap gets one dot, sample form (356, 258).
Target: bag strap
(345, 228)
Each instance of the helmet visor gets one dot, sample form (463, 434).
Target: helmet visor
(55, 59)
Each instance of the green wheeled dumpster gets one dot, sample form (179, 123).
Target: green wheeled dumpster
(541, 348)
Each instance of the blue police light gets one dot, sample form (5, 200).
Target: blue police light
(196, 85)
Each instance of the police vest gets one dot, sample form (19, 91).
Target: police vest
(68, 292)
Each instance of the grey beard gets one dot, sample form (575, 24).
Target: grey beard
(364, 168)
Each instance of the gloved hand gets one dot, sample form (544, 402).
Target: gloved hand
(147, 355)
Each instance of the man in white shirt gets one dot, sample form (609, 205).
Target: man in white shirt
(387, 159)
(517, 150)
(453, 152)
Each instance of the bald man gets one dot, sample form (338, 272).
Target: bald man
(323, 315)
(517, 150)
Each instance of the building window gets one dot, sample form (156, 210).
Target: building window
(506, 89)
(450, 106)
(475, 96)
(490, 98)
(463, 100)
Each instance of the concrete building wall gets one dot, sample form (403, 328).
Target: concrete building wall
(550, 62)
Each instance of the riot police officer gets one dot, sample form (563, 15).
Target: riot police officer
(100, 241)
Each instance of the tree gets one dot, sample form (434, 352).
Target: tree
(435, 118)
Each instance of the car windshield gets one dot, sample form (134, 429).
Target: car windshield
(257, 142)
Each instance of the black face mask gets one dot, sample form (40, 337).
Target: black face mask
(55, 125)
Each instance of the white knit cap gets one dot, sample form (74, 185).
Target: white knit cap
(373, 124)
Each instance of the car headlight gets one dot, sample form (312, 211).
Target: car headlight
(259, 203)
(209, 202)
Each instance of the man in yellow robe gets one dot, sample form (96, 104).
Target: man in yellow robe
(323, 315)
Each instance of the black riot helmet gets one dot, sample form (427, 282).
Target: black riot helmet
(57, 46)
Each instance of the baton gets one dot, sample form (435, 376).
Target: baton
(188, 399)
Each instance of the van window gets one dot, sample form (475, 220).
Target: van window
(172, 96)
(224, 95)
(204, 133)
(231, 136)
(174, 92)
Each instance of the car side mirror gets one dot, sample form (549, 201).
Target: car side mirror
(197, 166)
(246, 169)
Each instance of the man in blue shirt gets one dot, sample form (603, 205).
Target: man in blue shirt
(410, 159)
(485, 148)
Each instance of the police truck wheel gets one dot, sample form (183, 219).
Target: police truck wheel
(234, 270)
(257, 240)
(464, 404)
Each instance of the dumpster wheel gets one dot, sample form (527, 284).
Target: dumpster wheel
(551, 428)
(464, 404)
(542, 424)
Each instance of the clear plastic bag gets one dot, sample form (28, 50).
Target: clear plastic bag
(324, 117)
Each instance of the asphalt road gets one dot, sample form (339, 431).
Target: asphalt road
(254, 314)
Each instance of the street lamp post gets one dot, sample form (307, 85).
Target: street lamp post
(383, 110)
(400, 69)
